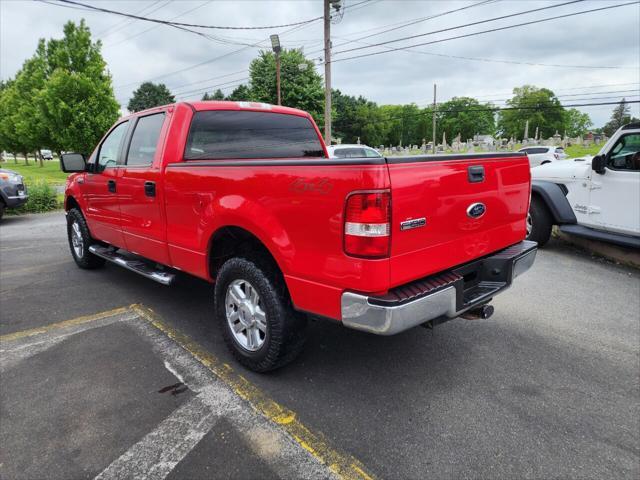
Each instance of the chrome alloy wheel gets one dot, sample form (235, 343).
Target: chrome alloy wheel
(529, 224)
(247, 320)
(76, 240)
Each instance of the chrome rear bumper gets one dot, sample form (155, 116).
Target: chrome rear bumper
(439, 297)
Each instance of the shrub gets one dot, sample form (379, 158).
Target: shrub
(42, 198)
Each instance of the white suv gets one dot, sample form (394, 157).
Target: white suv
(593, 197)
(352, 151)
(543, 155)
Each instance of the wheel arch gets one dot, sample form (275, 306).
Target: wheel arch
(231, 241)
(70, 202)
(555, 200)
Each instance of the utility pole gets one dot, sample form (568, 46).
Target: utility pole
(278, 77)
(275, 44)
(327, 72)
(433, 148)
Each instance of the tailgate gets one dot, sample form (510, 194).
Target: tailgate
(451, 209)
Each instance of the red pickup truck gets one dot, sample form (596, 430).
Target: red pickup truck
(244, 195)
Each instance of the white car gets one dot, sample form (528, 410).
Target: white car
(593, 197)
(542, 155)
(352, 151)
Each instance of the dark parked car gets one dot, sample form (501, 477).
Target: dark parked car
(13, 192)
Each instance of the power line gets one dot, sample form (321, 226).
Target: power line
(407, 23)
(414, 22)
(497, 29)
(457, 27)
(210, 87)
(180, 24)
(492, 60)
(127, 21)
(362, 4)
(567, 89)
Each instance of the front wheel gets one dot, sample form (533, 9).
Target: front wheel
(255, 314)
(80, 240)
(539, 222)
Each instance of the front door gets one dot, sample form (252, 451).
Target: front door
(100, 189)
(141, 192)
(615, 195)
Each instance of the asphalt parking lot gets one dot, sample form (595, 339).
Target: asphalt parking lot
(104, 373)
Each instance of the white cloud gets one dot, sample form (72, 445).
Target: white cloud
(608, 38)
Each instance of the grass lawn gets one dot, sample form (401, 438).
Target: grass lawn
(49, 173)
(577, 151)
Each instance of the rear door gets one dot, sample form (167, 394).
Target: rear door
(448, 210)
(141, 192)
(100, 188)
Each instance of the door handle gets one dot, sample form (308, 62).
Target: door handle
(111, 185)
(150, 189)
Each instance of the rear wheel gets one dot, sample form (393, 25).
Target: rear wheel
(2, 207)
(255, 314)
(539, 222)
(80, 240)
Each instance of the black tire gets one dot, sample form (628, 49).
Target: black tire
(86, 259)
(541, 222)
(285, 328)
(2, 207)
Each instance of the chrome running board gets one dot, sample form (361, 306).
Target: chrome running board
(139, 266)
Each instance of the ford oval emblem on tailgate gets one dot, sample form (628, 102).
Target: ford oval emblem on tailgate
(476, 210)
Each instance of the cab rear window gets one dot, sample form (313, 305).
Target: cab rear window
(230, 134)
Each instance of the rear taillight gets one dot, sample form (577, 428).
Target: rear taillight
(367, 224)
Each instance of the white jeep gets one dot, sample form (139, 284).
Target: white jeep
(593, 197)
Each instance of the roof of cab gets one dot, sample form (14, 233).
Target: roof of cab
(254, 106)
(201, 106)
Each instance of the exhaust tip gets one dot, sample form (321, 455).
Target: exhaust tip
(483, 312)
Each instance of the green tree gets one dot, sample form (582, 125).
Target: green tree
(576, 122)
(350, 117)
(619, 117)
(149, 95)
(241, 93)
(465, 116)
(29, 122)
(9, 104)
(77, 101)
(301, 86)
(217, 95)
(539, 106)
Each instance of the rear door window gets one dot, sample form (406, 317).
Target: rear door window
(144, 140)
(233, 134)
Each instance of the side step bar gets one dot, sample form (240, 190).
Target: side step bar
(139, 266)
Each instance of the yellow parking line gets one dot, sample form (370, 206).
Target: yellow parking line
(343, 465)
(64, 324)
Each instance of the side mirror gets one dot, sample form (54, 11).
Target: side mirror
(73, 162)
(598, 164)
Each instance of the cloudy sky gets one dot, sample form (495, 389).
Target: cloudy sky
(551, 54)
